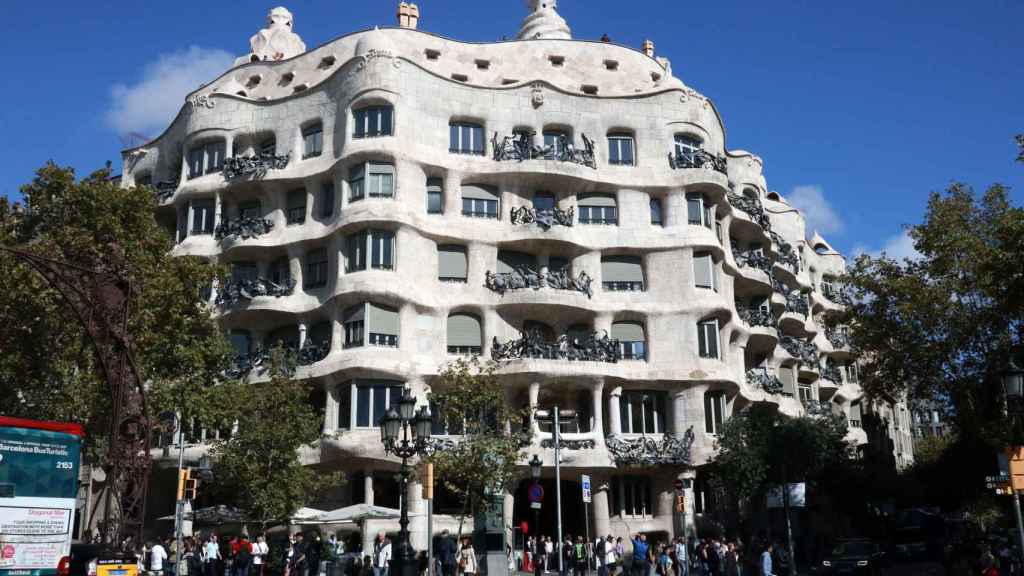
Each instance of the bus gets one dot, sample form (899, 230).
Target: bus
(38, 490)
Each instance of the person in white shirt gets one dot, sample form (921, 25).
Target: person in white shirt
(381, 555)
(157, 555)
(259, 552)
(610, 557)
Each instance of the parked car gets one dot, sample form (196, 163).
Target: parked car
(854, 558)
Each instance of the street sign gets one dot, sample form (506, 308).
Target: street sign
(535, 505)
(1000, 484)
(535, 494)
(585, 481)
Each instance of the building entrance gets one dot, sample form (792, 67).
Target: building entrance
(572, 510)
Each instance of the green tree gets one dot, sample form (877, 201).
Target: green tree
(760, 448)
(471, 400)
(47, 368)
(259, 465)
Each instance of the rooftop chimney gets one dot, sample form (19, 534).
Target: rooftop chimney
(408, 15)
(648, 48)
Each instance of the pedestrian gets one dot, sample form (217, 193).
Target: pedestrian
(259, 554)
(579, 557)
(731, 564)
(549, 550)
(243, 558)
(297, 561)
(446, 554)
(664, 567)
(157, 555)
(467, 557)
(597, 556)
(638, 566)
(766, 560)
(211, 555)
(611, 560)
(314, 554)
(381, 555)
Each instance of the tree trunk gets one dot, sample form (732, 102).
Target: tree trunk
(789, 526)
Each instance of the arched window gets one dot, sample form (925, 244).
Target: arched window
(313, 140)
(480, 201)
(714, 411)
(642, 411)
(466, 138)
(316, 268)
(621, 149)
(632, 341)
(687, 148)
(465, 336)
(373, 322)
(319, 334)
(598, 209)
(705, 275)
(708, 339)
(657, 219)
(373, 248)
(372, 121)
(206, 158)
(543, 201)
(623, 273)
(296, 209)
(451, 263)
(373, 179)
(435, 196)
(699, 211)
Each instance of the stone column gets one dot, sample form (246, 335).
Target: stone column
(614, 416)
(679, 418)
(295, 255)
(602, 522)
(687, 520)
(534, 395)
(331, 410)
(452, 200)
(303, 330)
(596, 392)
(368, 488)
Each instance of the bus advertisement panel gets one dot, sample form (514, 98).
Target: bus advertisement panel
(38, 489)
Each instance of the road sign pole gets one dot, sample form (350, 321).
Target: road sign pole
(558, 490)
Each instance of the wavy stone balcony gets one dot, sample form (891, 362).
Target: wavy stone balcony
(520, 147)
(831, 373)
(243, 228)
(804, 351)
(788, 257)
(839, 339)
(593, 347)
(765, 379)
(256, 166)
(544, 219)
(259, 360)
(752, 207)
(681, 160)
(164, 189)
(669, 449)
(235, 291)
(524, 277)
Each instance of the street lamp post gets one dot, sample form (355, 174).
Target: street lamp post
(555, 417)
(535, 465)
(405, 433)
(1013, 387)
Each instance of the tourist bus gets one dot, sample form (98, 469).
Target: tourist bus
(38, 490)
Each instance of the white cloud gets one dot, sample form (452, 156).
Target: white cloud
(895, 247)
(818, 213)
(149, 106)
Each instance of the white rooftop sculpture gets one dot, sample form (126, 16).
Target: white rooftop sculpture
(277, 41)
(544, 22)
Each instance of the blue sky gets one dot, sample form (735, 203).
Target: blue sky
(860, 109)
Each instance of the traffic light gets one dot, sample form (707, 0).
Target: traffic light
(191, 488)
(680, 503)
(183, 475)
(1015, 456)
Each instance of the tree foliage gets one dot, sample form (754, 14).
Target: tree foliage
(486, 455)
(759, 447)
(943, 326)
(48, 368)
(259, 465)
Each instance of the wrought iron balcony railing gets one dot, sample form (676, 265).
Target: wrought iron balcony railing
(259, 359)
(817, 408)
(796, 302)
(244, 228)
(258, 165)
(787, 255)
(543, 218)
(651, 451)
(765, 380)
(237, 290)
(756, 316)
(622, 286)
(520, 147)
(838, 338)
(523, 277)
(681, 159)
(752, 207)
(752, 259)
(831, 372)
(836, 293)
(804, 351)
(593, 347)
(164, 189)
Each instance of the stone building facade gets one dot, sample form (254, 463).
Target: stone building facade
(393, 199)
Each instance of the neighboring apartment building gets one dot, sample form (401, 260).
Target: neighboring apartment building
(393, 200)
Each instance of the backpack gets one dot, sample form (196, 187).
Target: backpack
(581, 551)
